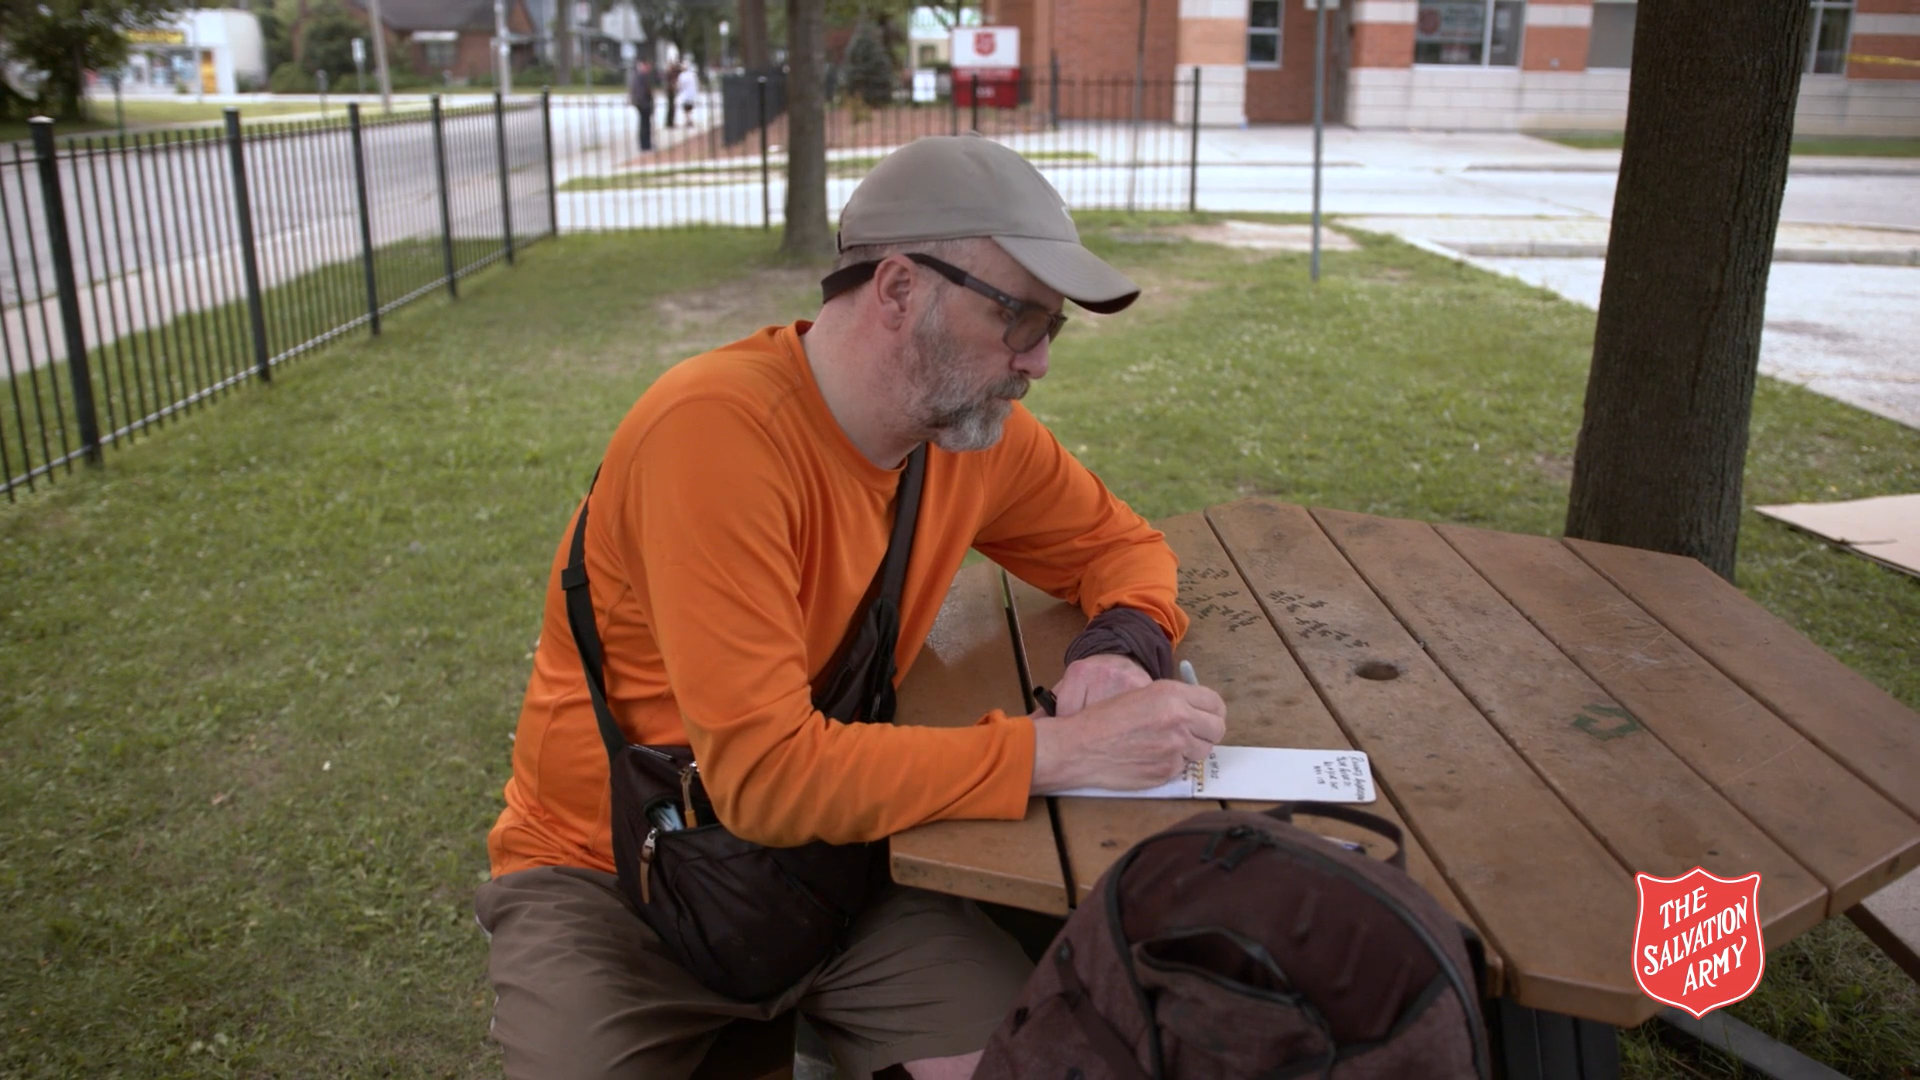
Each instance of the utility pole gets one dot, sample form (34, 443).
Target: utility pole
(1319, 120)
(380, 57)
(503, 49)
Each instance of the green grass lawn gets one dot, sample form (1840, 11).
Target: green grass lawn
(1830, 145)
(258, 675)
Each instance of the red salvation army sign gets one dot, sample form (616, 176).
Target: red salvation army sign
(1696, 945)
(986, 47)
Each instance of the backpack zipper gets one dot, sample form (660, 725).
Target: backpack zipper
(646, 865)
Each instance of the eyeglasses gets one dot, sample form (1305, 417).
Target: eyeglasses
(1027, 322)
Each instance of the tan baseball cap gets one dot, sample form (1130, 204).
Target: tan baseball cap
(950, 187)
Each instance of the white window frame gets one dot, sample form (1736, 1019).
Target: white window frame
(1486, 44)
(1279, 20)
(1820, 8)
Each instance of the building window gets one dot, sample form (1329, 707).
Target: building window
(1611, 43)
(929, 55)
(439, 55)
(1477, 32)
(1832, 20)
(1263, 33)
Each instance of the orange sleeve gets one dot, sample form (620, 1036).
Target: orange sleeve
(712, 516)
(1054, 525)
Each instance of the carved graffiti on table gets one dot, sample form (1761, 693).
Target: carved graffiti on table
(1203, 599)
(1297, 604)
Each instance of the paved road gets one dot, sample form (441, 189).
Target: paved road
(154, 233)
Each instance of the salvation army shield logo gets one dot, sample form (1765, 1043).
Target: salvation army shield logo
(983, 42)
(1697, 943)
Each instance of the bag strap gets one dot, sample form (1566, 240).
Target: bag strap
(1373, 823)
(888, 582)
(891, 579)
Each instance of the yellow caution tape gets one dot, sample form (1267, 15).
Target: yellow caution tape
(1898, 61)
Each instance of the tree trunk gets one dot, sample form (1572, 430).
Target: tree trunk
(807, 237)
(563, 42)
(753, 35)
(1677, 343)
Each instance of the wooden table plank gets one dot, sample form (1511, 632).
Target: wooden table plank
(1860, 725)
(1848, 834)
(1652, 811)
(967, 668)
(1094, 833)
(1554, 903)
(1235, 650)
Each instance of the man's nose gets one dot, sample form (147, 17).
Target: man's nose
(1033, 362)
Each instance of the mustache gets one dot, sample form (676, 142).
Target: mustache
(1013, 388)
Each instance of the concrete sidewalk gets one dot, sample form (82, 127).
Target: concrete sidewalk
(1843, 303)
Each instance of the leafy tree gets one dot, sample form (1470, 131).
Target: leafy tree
(870, 73)
(68, 38)
(327, 44)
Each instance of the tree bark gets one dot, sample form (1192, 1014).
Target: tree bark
(563, 42)
(753, 35)
(1676, 347)
(807, 237)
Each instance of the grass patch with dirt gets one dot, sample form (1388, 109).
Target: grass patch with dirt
(258, 676)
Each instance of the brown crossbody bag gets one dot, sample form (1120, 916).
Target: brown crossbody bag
(746, 920)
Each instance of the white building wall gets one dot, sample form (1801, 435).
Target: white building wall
(1223, 94)
(1509, 99)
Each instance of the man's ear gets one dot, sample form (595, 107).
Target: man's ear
(893, 284)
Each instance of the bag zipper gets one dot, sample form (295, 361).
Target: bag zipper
(646, 865)
(686, 795)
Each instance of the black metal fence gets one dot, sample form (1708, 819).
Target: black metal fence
(145, 275)
(177, 265)
(1104, 143)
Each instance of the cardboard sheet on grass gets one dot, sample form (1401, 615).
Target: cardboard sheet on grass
(1886, 529)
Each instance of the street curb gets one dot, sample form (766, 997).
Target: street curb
(1568, 249)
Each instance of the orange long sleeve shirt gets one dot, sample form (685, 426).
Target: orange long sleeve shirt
(735, 529)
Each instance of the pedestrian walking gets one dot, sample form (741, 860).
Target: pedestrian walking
(689, 87)
(671, 84)
(640, 94)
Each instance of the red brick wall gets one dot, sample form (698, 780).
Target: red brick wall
(1095, 41)
(1383, 45)
(1545, 44)
(1900, 46)
(1285, 95)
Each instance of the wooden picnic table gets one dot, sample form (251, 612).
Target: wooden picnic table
(1544, 718)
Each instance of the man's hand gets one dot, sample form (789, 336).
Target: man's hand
(1134, 740)
(1093, 679)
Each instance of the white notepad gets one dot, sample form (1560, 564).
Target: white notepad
(1263, 773)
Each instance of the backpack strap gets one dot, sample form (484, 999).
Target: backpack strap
(888, 582)
(1373, 823)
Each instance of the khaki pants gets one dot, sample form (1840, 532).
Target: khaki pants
(584, 989)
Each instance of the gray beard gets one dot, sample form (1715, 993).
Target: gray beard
(958, 416)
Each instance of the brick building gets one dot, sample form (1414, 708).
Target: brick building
(1431, 64)
(450, 36)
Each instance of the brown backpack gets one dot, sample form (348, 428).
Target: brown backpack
(1238, 945)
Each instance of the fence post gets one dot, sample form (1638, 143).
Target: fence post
(57, 242)
(506, 177)
(974, 120)
(249, 254)
(546, 132)
(366, 216)
(446, 204)
(766, 191)
(1193, 153)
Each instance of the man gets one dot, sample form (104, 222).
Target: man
(640, 95)
(738, 517)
